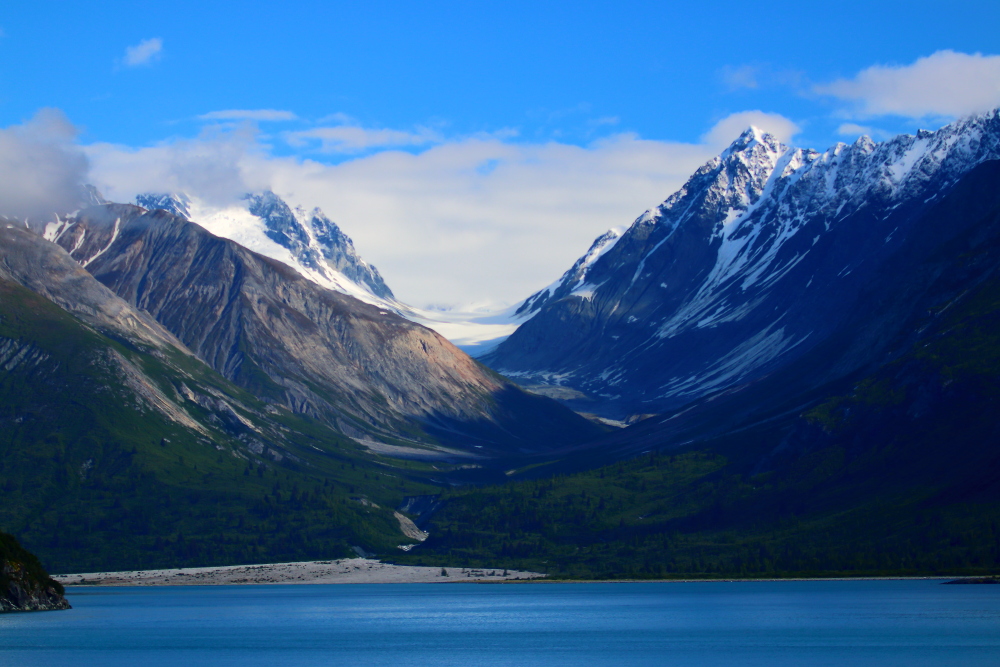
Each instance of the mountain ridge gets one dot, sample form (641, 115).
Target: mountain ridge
(749, 265)
(317, 351)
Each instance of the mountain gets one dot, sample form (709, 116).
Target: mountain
(306, 240)
(120, 449)
(889, 470)
(313, 245)
(362, 370)
(24, 584)
(755, 262)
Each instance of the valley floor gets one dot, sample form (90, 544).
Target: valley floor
(344, 571)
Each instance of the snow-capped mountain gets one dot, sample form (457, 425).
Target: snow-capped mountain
(306, 240)
(312, 244)
(756, 260)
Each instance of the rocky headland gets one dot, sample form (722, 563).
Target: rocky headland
(24, 583)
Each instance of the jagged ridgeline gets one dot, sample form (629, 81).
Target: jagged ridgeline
(755, 262)
(365, 371)
(214, 414)
(869, 449)
(304, 239)
(892, 470)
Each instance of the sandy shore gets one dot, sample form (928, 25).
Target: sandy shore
(345, 571)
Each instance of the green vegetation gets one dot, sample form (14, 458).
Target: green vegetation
(93, 478)
(689, 515)
(16, 559)
(897, 477)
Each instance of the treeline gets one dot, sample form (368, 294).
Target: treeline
(681, 516)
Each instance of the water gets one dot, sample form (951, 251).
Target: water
(760, 623)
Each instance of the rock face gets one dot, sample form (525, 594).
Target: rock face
(307, 240)
(24, 584)
(916, 362)
(49, 271)
(756, 261)
(289, 341)
(315, 241)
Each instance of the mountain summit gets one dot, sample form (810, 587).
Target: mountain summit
(308, 241)
(756, 260)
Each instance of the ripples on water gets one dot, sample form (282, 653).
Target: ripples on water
(759, 623)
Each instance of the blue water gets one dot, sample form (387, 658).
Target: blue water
(760, 623)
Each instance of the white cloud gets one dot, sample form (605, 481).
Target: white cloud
(145, 52)
(945, 83)
(743, 76)
(473, 219)
(854, 130)
(212, 166)
(726, 130)
(41, 169)
(249, 114)
(757, 76)
(354, 138)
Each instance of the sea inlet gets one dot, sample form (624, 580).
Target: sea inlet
(909, 622)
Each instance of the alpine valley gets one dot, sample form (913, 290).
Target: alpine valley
(790, 367)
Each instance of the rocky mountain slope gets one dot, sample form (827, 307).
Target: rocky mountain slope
(119, 448)
(754, 263)
(309, 242)
(306, 240)
(888, 470)
(207, 405)
(924, 297)
(363, 370)
(24, 584)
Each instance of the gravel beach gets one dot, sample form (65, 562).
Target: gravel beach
(345, 571)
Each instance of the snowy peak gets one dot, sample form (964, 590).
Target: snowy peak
(178, 204)
(308, 241)
(316, 241)
(573, 281)
(743, 267)
(751, 143)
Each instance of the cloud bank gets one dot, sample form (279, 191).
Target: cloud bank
(943, 84)
(459, 221)
(355, 139)
(41, 169)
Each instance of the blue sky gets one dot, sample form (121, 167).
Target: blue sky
(604, 106)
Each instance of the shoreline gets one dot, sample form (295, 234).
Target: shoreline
(732, 580)
(342, 571)
(371, 571)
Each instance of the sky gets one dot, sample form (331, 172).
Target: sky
(471, 150)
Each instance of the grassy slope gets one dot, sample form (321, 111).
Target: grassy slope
(898, 477)
(104, 482)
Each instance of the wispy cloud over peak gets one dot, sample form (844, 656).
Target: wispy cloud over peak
(262, 115)
(145, 52)
(744, 76)
(756, 76)
(356, 139)
(945, 83)
(726, 130)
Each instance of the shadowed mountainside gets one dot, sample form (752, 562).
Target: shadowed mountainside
(365, 371)
(757, 261)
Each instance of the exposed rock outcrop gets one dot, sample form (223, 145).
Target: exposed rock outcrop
(24, 583)
(311, 349)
